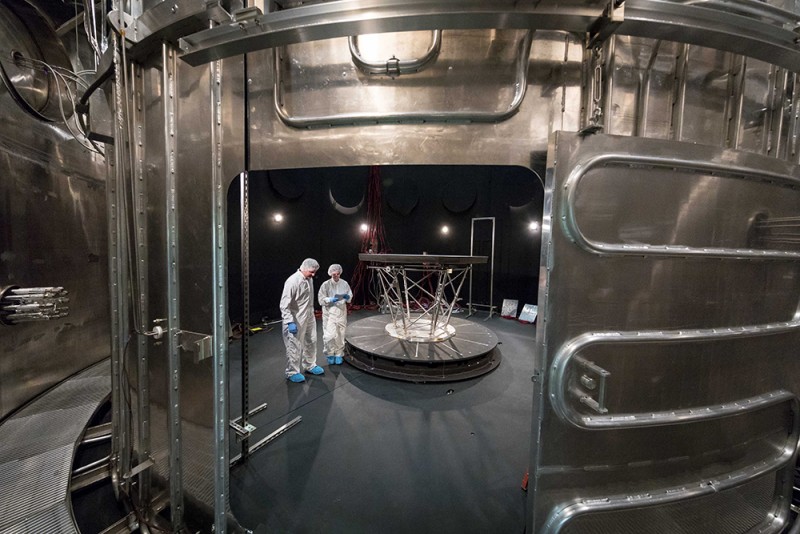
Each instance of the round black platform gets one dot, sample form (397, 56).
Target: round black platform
(471, 352)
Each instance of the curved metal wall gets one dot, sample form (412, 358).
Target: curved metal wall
(308, 105)
(52, 233)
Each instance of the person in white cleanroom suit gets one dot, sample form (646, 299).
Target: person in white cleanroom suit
(299, 324)
(334, 294)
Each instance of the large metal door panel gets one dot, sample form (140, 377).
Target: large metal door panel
(666, 351)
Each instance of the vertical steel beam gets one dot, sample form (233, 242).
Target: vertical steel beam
(139, 191)
(773, 121)
(643, 93)
(220, 301)
(116, 267)
(587, 69)
(564, 69)
(245, 247)
(607, 95)
(170, 97)
(679, 87)
(735, 101)
(793, 132)
(491, 265)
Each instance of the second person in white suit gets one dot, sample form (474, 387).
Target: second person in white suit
(334, 294)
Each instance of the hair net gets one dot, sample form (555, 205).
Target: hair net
(334, 268)
(309, 264)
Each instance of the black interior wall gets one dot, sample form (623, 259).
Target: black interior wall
(323, 209)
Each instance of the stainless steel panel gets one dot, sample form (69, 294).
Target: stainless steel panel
(738, 509)
(691, 347)
(178, 120)
(593, 293)
(429, 104)
(53, 234)
(318, 84)
(343, 19)
(761, 32)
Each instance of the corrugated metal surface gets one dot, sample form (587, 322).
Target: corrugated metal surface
(37, 450)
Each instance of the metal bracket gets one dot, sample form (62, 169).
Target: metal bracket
(590, 388)
(147, 464)
(242, 432)
(606, 25)
(393, 67)
(198, 344)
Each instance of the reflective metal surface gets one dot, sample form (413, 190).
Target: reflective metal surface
(357, 17)
(669, 289)
(52, 233)
(470, 351)
(663, 335)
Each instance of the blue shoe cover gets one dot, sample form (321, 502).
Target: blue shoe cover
(297, 378)
(316, 370)
(331, 360)
(338, 360)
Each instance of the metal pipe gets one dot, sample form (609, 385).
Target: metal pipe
(347, 119)
(401, 66)
(491, 265)
(572, 228)
(90, 466)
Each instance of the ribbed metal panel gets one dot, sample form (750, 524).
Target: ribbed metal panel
(57, 518)
(33, 484)
(195, 479)
(24, 437)
(36, 454)
(78, 391)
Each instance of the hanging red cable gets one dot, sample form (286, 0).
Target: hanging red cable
(373, 239)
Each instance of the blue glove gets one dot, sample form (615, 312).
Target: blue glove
(346, 298)
(334, 298)
(292, 328)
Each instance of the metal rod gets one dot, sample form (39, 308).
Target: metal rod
(90, 466)
(245, 271)
(251, 413)
(220, 302)
(173, 286)
(140, 201)
(471, 304)
(281, 430)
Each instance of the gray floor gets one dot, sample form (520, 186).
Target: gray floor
(375, 455)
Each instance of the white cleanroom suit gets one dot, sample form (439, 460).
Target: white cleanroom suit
(297, 306)
(334, 316)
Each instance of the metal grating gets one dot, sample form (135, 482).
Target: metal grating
(37, 449)
(197, 478)
(59, 426)
(78, 391)
(733, 511)
(57, 518)
(33, 484)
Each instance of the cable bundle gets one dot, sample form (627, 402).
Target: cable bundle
(373, 241)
